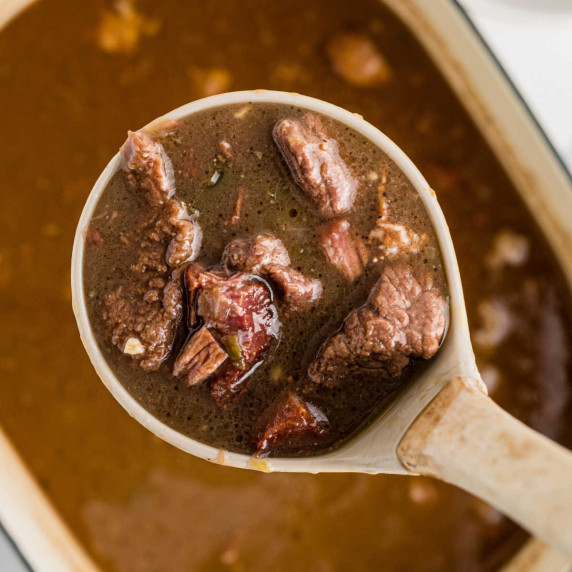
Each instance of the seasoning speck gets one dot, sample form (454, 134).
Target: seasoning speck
(133, 347)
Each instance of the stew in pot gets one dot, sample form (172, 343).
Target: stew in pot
(74, 78)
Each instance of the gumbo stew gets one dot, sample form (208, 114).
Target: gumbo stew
(74, 77)
(313, 286)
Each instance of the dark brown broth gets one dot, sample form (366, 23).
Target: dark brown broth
(272, 204)
(136, 503)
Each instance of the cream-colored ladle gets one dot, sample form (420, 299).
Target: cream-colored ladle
(442, 425)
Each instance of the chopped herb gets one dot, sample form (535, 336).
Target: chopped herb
(234, 352)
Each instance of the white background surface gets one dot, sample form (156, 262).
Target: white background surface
(533, 41)
(534, 44)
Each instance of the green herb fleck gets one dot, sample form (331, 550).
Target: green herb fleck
(234, 351)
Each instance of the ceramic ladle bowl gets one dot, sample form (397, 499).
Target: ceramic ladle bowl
(443, 424)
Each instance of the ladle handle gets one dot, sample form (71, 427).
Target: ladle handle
(464, 438)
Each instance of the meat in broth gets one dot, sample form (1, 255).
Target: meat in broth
(264, 279)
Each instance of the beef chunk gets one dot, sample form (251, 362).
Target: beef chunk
(292, 420)
(298, 291)
(315, 164)
(186, 242)
(183, 246)
(254, 255)
(397, 239)
(144, 327)
(346, 252)
(173, 295)
(194, 278)
(147, 168)
(144, 313)
(404, 318)
(267, 256)
(356, 59)
(148, 171)
(236, 304)
(238, 312)
(200, 357)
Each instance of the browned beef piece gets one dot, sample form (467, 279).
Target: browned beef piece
(255, 254)
(143, 326)
(200, 357)
(293, 419)
(298, 291)
(267, 256)
(143, 315)
(240, 309)
(148, 171)
(147, 168)
(173, 295)
(346, 252)
(166, 237)
(404, 318)
(186, 242)
(238, 312)
(315, 164)
(193, 279)
(151, 235)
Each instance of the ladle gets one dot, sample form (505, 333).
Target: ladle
(442, 425)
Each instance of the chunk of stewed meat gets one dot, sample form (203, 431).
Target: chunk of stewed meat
(404, 318)
(298, 291)
(143, 313)
(315, 164)
(255, 254)
(293, 420)
(267, 256)
(173, 294)
(237, 304)
(356, 59)
(148, 172)
(343, 250)
(186, 242)
(200, 357)
(144, 327)
(238, 312)
(147, 168)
